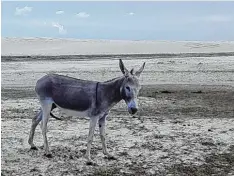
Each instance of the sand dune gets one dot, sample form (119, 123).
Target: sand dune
(49, 46)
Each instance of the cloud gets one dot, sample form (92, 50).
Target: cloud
(23, 11)
(60, 27)
(131, 13)
(218, 18)
(59, 12)
(82, 15)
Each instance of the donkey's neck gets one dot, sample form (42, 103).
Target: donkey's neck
(109, 92)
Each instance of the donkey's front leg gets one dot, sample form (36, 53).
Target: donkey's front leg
(92, 125)
(102, 125)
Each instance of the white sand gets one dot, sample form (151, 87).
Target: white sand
(201, 70)
(216, 70)
(171, 128)
(48, 46)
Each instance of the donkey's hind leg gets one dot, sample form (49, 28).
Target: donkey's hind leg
(35, 122)
(46, 105)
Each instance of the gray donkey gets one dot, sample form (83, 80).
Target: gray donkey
(84, 98)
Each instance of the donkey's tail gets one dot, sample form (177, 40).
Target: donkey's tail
(52, 115)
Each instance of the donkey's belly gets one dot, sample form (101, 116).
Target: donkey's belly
(69, 112)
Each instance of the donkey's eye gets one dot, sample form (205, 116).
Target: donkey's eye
(128, 88)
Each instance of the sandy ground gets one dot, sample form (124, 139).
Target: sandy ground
(48, 46)
(185, 124)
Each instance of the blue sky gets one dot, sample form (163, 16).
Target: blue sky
(207, 21)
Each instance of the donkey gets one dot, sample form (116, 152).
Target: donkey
(84, 98)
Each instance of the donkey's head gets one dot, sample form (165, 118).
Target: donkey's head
(130, 87)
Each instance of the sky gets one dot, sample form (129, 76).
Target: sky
(204, 21)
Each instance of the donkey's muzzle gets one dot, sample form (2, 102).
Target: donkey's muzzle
(133, 110)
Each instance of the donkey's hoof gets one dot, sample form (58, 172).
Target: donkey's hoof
(33, 148)
(91, 163)
(48, 155)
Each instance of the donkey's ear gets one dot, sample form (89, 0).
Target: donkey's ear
(138, 73)
(123, 68)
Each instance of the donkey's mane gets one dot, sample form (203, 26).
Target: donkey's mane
(113, 79)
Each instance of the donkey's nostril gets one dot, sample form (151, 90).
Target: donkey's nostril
(134, 110)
